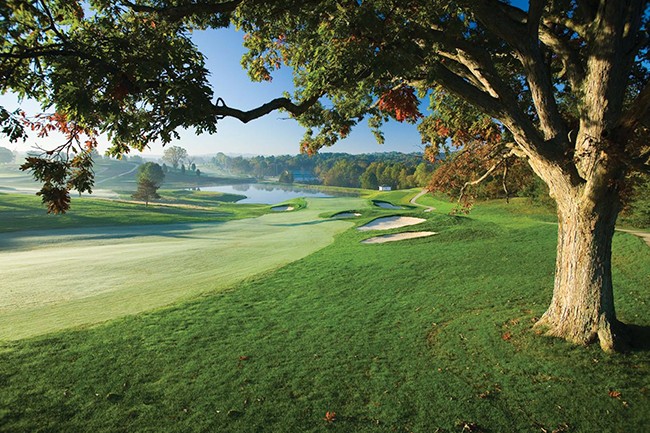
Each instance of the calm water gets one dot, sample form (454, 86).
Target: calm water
(265, 194)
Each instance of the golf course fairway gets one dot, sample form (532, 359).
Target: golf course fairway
(58, 279)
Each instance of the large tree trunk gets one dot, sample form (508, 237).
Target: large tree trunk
(582, 309)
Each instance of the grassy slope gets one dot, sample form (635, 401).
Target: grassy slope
(424, 335)
(24, 212)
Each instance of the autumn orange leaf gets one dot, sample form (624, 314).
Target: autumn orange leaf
(330, 416)
(401, 102)
(615, 394)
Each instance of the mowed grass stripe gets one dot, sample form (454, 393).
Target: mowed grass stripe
(67, 278)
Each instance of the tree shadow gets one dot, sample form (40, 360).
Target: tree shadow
(306, 223)
(639, 337)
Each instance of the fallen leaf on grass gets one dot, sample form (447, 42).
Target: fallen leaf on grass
(471, 427)
(615, 394)
(330, 416)
(507, 336)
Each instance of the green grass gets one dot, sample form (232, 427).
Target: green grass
(70, 277)
(25, 212)
(424, 335)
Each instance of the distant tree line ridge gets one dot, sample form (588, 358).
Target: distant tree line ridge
(397, 170)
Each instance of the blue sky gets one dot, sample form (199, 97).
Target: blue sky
(273, 134)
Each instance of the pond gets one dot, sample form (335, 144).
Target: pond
(266, 193)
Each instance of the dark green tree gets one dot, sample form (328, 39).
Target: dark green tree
(150, 177)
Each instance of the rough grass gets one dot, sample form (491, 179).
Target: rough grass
(423, 335)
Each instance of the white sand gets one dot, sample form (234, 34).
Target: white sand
(347, 215)
(397, 237)
(386, 205)
(394, 222)
(282, 208)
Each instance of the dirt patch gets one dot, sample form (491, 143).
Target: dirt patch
(397, 237)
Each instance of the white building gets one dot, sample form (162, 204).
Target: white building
(385, 188)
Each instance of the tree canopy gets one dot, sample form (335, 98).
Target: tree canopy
(174, 155)
(562, 84)
(150, 177)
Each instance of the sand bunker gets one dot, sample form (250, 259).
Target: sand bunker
(386, 205)
(397, 237)
(394, 222)
(282, 208)
(347, 215)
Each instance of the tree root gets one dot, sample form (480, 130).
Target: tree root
(611, 335)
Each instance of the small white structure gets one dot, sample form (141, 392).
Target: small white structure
(385, 188)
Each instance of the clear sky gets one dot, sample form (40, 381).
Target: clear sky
(273, 134)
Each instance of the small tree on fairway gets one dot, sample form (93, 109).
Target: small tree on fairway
(147, 191)
(150, 177)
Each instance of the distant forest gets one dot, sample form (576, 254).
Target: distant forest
(397, 170)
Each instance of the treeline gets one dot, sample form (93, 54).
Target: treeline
(397, 170)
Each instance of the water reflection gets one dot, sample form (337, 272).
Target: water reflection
(266, 193)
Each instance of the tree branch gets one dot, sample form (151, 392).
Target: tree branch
(177, 13)
(482, 178)
(50, 50)
(221, 110)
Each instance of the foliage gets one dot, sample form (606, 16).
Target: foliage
(335, 169)
(150, 178)
(174, 155)
(152, 172)
(147, 191)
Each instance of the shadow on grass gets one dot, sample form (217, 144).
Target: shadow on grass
(31, 239)
(306, 223)
(639, 337)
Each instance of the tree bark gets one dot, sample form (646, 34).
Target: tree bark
(582, 308)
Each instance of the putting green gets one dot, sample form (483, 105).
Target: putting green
(57, 279)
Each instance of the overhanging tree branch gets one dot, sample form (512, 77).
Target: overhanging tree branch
(221, 110)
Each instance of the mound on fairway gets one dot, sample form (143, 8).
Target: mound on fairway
(394, 222)
(283, 208)
(397, 237)
(386, 205)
